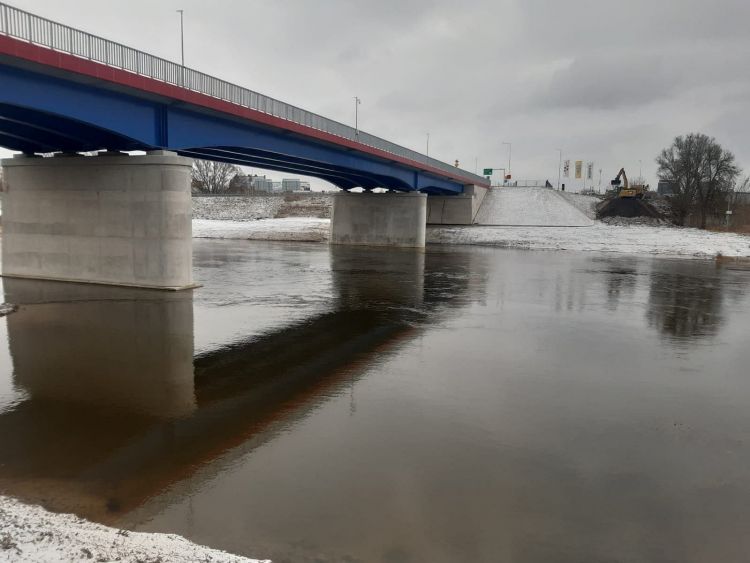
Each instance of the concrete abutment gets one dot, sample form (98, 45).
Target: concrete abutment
(109, 219)
(455, 209)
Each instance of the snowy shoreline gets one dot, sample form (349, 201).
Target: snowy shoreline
(597, 237)
(32, 534)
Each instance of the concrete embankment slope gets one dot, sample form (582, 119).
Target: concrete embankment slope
(527, 207)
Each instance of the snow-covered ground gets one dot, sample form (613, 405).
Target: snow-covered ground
(530, 207)
(636, 239)
(586, 204)
(301, 229)
(599, 237)
(32, 534)
(250, 208)
(235, 208)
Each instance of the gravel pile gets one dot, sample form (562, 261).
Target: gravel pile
(625, 221)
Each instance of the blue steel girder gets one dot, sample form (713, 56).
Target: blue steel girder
(46, 113)
(207, 154)
(263, 159)
(188, 129)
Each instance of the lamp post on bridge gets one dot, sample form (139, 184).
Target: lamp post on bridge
(182, 36)
(357, 101)
(182, 48)
(559, 165)
(510, 149)
(428, 145)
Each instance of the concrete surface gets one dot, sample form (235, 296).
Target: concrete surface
(388, 219)
(112, 219)
(455, 210)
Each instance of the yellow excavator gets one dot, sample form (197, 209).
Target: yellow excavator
(625, 189)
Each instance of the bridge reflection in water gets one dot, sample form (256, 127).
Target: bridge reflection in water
(118, 407)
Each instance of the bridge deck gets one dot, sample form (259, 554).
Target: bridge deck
(87, 62)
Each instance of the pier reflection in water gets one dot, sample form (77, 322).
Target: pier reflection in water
(118, 408)
(343, 404)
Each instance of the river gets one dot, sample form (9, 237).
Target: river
(315, 403)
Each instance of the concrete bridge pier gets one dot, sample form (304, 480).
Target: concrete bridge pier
(385, 219)
(109, 219)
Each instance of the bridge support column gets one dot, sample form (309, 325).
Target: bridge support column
(388, 219)
(455, 209)
(111, 219)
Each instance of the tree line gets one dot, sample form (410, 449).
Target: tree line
(703, 174)
(213, 177)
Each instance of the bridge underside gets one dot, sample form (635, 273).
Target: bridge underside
(41, 113)
(126, 220)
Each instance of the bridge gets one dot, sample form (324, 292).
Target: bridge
(111, 218)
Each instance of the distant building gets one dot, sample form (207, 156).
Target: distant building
(294, 185)
(261, 184)
(665, 187)
(290, 185)
(276, 188)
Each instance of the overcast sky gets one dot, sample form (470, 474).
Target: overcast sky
(605, 81)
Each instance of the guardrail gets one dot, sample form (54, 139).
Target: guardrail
(521, 184)
(34, 29)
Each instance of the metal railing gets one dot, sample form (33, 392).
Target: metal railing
(41, 31)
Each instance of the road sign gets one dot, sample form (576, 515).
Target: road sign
(488, 171)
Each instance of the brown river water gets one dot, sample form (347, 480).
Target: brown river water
(313, 403)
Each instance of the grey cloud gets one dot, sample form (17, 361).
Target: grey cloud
(611, 81)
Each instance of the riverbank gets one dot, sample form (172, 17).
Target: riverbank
(599, 237)
(32, 534)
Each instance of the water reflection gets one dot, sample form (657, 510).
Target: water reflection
(119, 348)
(119, 409)
(513, 405)
(685, 300)
(621, 278)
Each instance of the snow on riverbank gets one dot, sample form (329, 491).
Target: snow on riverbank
(635, 239)
(530, 207)
(300, 229)
(30, 533)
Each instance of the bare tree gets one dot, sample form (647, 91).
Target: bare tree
(212, 177)
(701, 172)
(719, 176)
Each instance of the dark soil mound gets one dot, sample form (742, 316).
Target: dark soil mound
(626, 207)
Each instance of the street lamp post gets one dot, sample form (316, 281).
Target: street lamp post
(640, 169)
(182, 37)
(510, 149)
(357, 101)
(559, 166)
(428, 145)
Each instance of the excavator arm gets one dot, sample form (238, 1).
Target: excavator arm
(624, 176)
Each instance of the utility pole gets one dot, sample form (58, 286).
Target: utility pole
(510, 149)
(559, 166)
(182, 36)
(428, 144)
(357, 101)
(640, 170)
